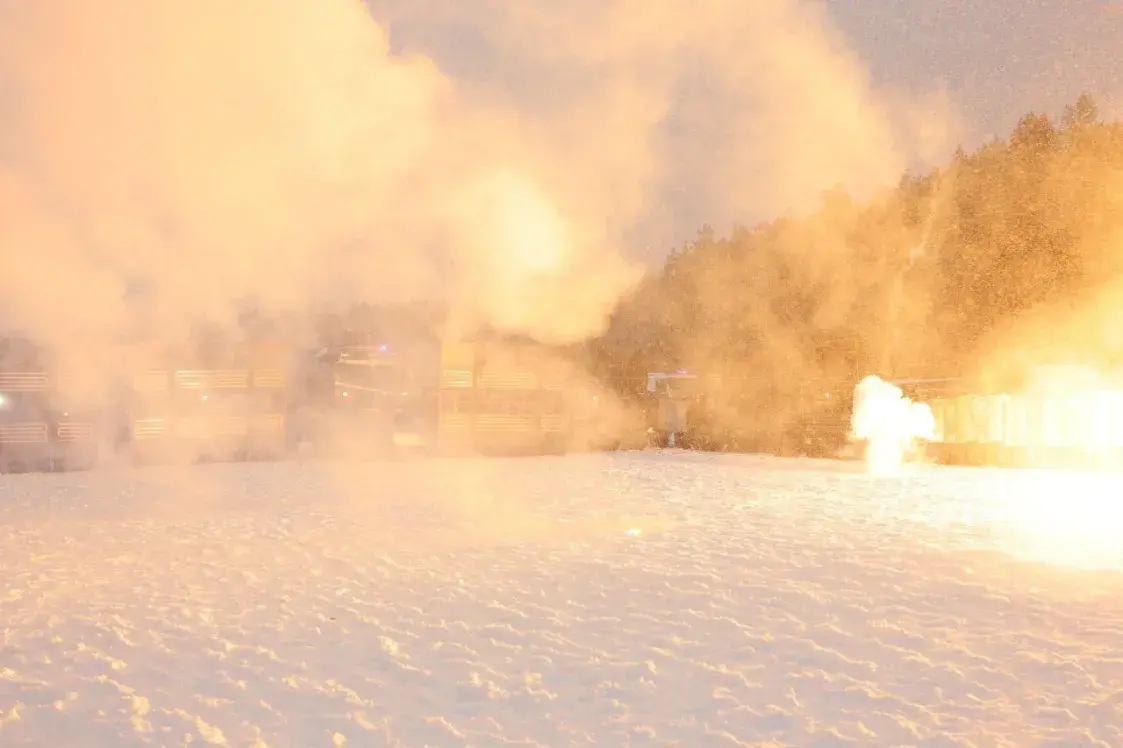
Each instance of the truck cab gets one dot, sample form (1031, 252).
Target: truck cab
(221, 404)
(364, 399)
(45, 421)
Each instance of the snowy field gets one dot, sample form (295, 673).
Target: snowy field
(602, 600)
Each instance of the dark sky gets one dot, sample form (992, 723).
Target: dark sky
(999, 58)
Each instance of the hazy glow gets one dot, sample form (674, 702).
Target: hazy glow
(1061, 517)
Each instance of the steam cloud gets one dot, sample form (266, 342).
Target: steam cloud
(162, 161)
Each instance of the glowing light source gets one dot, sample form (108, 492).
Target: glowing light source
(889, 423)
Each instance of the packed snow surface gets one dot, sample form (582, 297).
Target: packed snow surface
(638, 599)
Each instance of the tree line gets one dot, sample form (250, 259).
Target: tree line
(915, 282)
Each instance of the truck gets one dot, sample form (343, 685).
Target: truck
(227, 402)
(675, 396)
(502, 398)
(365, 400)
(47, 420)
(1045, 424)
(419, 395)
(822, 418)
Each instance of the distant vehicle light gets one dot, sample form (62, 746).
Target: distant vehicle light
(383, 348)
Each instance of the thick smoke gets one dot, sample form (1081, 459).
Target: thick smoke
(724, 110)
(177, 158)
(165, 162)
(162, 162)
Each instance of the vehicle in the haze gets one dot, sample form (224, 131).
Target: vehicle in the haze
(825, 398)
(364, 399)
(46, 422)
(486, 396)
(675, 397)
(714, 413)
(1051, 424)
(953, 403)
(823, 417)
(502, 397)
(216, 402)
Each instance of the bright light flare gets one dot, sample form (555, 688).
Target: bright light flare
(889, 423)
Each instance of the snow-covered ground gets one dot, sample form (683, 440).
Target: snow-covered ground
(597, 600)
